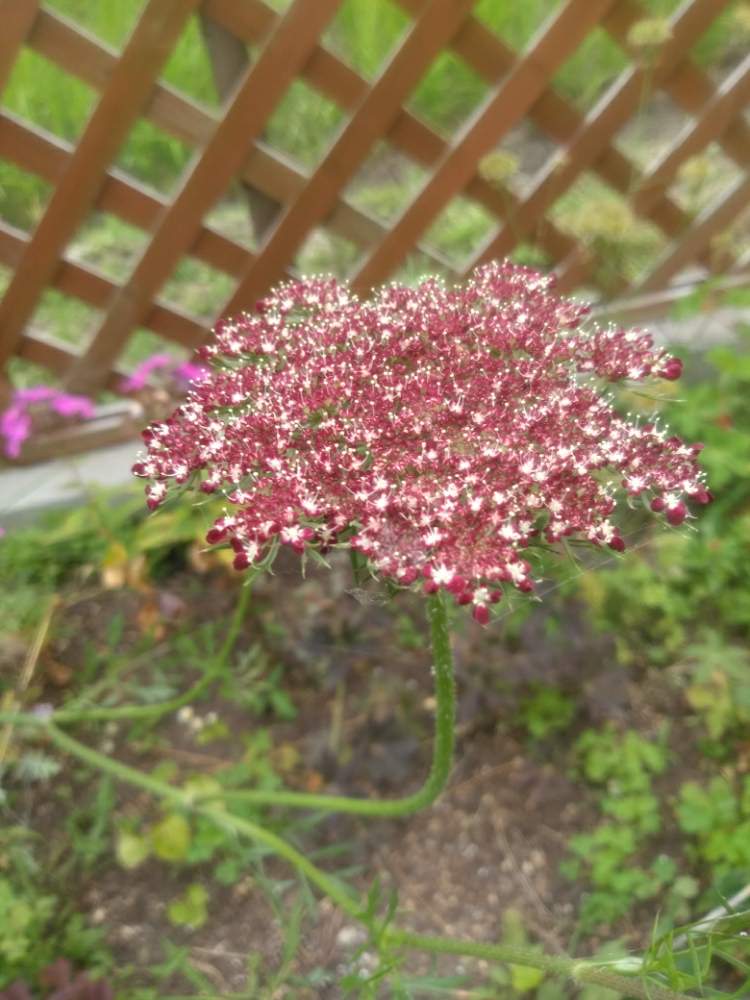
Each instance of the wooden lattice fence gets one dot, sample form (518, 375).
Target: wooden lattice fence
(287, 204)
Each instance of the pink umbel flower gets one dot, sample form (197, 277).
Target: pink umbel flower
(438, 431)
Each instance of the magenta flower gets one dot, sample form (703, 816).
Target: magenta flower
(183, 373)
(438, 431)
(16, 421)
(15, 428)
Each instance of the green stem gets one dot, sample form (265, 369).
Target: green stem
(140, 713)
(443, 744)
(235, 625)
(580, 972)
(184, 800)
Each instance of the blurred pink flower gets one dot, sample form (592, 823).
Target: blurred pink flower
(183, 373)
(16, 421)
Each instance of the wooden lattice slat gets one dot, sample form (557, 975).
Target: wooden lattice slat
(46, 156)
(431, 32)
(707, 226)
(250, 108)
(341, 84)
(95, 289)
(230, 146)
(158, 29)
(500, 112)
(715, 118)
(492, 59)
(614, 109)
(16, 20)
(92, 61)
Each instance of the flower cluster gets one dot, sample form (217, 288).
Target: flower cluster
(438, 431)
(18, 419)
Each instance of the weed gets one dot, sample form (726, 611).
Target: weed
(546, 711)
(717, 815)
(624, 765)
(37, 924)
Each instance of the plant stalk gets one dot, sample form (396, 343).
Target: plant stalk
(578, 971)
(146, 713)
(442, 753)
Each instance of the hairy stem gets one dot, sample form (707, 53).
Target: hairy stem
(443, 743)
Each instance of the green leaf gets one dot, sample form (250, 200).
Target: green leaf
(523, 978)
(170, 838)
(130, 849)
(190, 909)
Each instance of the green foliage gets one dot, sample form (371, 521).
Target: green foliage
(624, 766)
(170, 838)
(36, 924)
(624, 762)
(24, 918)
(191, 908)
(717, 815)
(546, 711)
(717, 686)
(256, 684)
(110, 534)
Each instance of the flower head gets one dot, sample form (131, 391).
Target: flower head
(438, 431)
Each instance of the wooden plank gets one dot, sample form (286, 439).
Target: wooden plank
(492, 59)
(429, 34)
(57, 357)
(709, 224)
(43, 154)
(717, 115)
(96, 289)
(132, 78)
(689, 86)
(638, 308)
(500, 112)
(609, 114)
(268, 171)
(229, 59)
(246, 115)
(341, 84)
(111, 424)
(17, 20)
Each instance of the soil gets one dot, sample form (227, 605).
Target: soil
(362, 690)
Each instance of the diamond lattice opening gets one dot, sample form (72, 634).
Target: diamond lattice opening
(364, 34)
(385, 184)
(447, 94)
(64, 318)
(303, 124)
(459, 230)
(45, 95)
